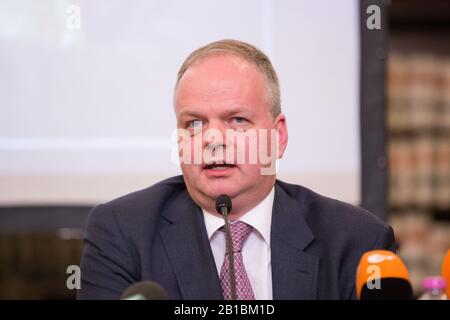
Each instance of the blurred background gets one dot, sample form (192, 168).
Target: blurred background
(418, 133)
(86, 115)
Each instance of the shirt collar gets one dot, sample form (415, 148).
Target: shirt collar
(260, 218)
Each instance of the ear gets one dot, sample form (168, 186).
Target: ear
(281, 126)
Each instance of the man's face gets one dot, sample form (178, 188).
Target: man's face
(219, 95)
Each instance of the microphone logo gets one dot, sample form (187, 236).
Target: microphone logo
(378, 258)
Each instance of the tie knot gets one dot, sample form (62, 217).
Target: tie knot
(239, 232)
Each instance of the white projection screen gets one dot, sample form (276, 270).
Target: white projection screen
(86, 91)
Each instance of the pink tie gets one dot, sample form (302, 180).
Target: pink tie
(239, 232)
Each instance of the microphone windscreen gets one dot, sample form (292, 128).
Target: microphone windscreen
(223, 201)
(145, 290)
(382, 275)
(446, 272)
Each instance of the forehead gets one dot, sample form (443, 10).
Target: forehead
(221, 82)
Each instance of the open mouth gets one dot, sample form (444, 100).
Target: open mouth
(218, 166)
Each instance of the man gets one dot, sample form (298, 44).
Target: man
(288, 242)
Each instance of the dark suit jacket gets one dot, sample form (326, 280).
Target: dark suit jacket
(159, 234)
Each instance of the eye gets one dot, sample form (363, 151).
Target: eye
(195, 124)
(239, 120)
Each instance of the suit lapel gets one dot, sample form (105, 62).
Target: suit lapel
(187, 246)
(294, 271)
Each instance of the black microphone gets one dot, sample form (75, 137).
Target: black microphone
(223, 206)
(144, 290)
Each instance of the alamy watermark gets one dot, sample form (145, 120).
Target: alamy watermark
(373, 22)
(73, 17)
(252, 146)
(74, 280)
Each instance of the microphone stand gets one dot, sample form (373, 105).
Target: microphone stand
(229, 241)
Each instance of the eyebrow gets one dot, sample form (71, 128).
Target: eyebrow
(189, 113)
(234, 111)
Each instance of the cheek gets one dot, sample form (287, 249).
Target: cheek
(257, 148)
(191, 173)
(268, 145)
(190, 151)
(251, 171)
(244, 147)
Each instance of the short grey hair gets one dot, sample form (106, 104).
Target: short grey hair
(246, 52)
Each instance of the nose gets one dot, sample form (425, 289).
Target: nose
(214, 135)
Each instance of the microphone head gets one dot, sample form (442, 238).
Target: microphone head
(446, 271)
(144, 290)
(223, 201)
(382, 275)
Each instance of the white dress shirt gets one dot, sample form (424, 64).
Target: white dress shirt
(256, 250)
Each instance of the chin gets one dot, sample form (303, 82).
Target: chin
(216, 188)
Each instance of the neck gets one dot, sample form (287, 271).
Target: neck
(242, 203)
